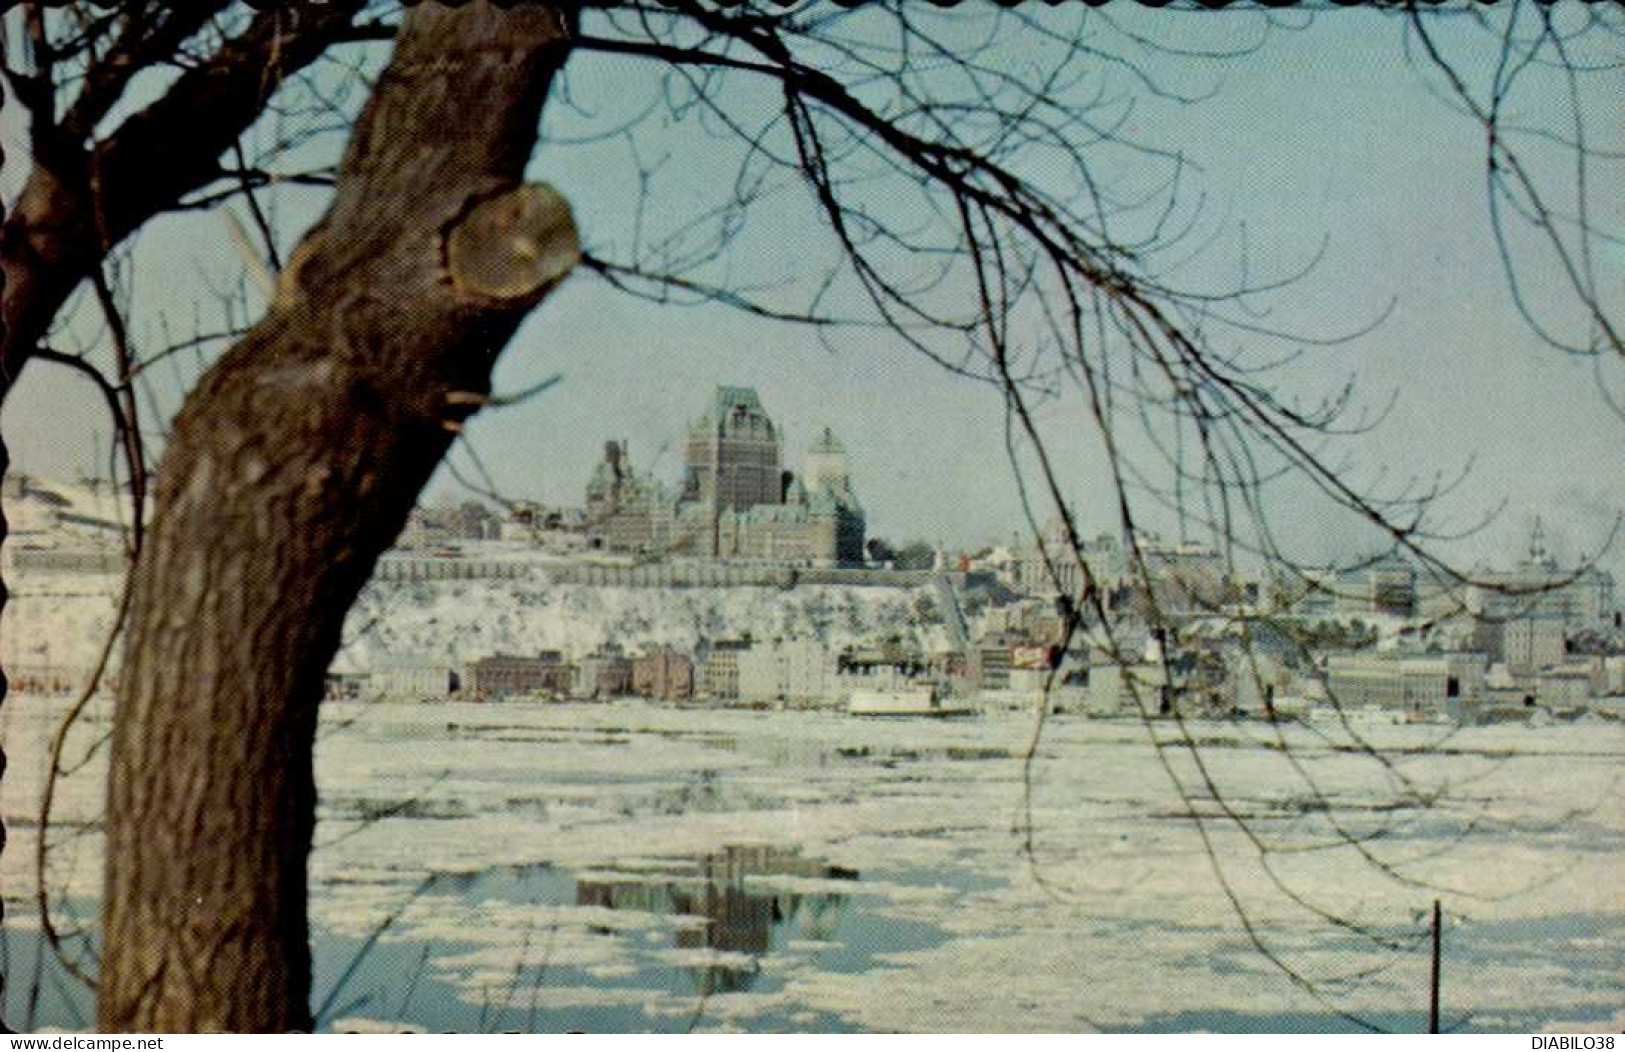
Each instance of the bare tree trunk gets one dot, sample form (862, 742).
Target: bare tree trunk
(292, 466)
(82, 199)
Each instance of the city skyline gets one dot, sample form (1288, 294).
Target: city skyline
(1287, 175)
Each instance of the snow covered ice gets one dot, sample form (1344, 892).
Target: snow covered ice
(629, 865)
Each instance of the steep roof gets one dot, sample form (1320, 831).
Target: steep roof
(728, 397)
(725, 401)
(826, 442)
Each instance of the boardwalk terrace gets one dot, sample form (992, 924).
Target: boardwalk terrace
(400, 567)
(701, 573)
(735, 500)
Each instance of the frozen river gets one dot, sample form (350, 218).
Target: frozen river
(627, 866)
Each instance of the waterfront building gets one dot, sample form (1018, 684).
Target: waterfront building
(411, 676)
(499, 675)
(1404, 682)
(1140, 689)
(602, 675)
(663, 674)
(716, 675)
(800, 672)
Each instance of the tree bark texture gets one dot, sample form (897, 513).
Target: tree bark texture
(290, 468)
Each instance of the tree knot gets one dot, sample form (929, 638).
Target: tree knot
(513, 245)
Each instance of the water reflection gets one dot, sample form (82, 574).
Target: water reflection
(739, 920)
(723, 912)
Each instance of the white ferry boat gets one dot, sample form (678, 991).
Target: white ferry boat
(905, 701)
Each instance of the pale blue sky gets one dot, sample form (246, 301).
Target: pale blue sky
(1323, 135)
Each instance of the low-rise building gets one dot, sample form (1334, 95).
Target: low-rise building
(1524, 644)
(1035, 667)
(1058, 678)
(1410, 683)
(502, 674)
(881, 668)
(797, 671)
(411, 676)
(44, 678)
(717, 674)
(1565, 688)
(1613, 675)
(995, 656)
(30, 559)
(345, 686)
(664, 674)
(1141, 689)
(605, 674)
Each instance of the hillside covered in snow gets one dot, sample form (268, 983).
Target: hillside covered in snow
(61, 620)
(454, 621)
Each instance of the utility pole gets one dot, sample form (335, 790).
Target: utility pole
(1433, 1000)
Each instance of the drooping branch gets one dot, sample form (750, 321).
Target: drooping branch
(1512, 183)
(82, 199)
(150, 35)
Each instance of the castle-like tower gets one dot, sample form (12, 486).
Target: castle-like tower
(826, 479)
(734, 455)
(626, 510)
(826, 467)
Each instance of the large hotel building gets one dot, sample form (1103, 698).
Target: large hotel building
(735, 500)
